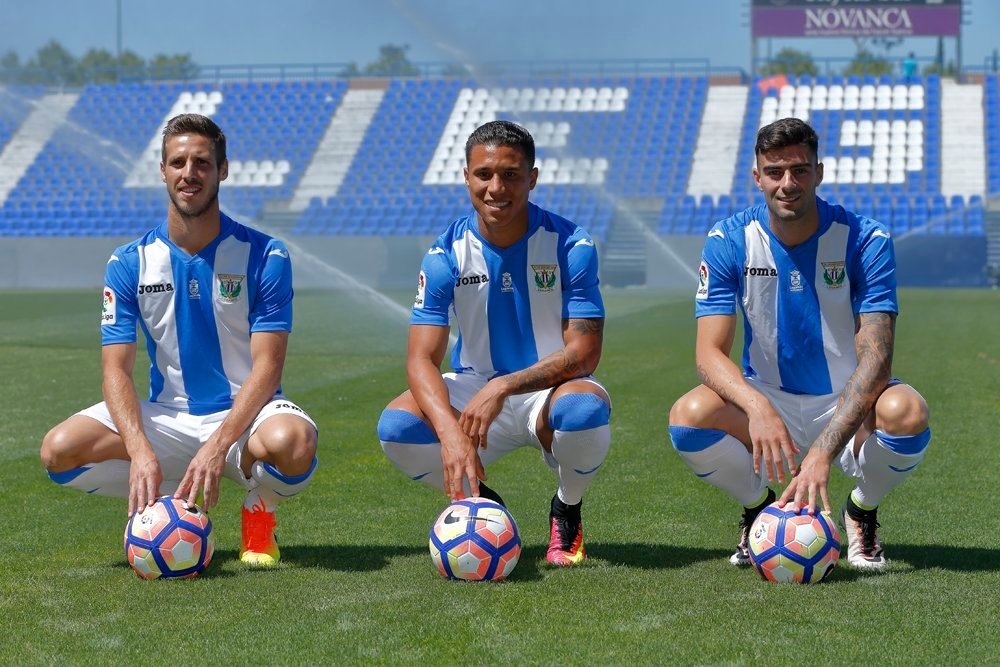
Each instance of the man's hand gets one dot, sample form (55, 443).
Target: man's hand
(460, 462)
(772, 444)
(810, 482)
(144, 478)
(204, 472)
(482, 409)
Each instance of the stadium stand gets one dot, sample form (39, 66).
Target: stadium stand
(605, 144)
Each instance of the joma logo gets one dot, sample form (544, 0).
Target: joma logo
(156, 289)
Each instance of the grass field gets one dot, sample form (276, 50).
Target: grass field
(356, 584)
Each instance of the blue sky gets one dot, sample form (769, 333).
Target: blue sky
(226, 32)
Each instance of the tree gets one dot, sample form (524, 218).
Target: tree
(99, 66)
(173, 67)
(53, 64)
(10, 66)
(866, 63)
(792, 62)
(350, 70)
(948, 70)
(392, 61)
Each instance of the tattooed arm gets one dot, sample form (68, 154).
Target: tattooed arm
(579, 356)
(873, 341)
(771, 447)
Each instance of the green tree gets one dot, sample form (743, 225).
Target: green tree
(866, 63)
(53, 64)
(173, 67)
(10, 67)
(949, 70)
(350, 70)
(792, 62)
(392, 61)
(99, 66)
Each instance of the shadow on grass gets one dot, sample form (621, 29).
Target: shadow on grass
(652, 556)
(957, 559)
(346, 557)
(214, 570)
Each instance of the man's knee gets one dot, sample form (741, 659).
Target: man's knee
(288, 442)
(696, 408)
(901, 410)
(579, 412)
(60, 450)
(403, 427)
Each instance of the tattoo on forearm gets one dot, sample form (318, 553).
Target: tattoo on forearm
(587, 326)
(874, 343)
(562, 365)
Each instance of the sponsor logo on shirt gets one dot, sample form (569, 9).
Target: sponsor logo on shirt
(795, 281)
(194, 289)
(418, 302)
(507, 282)
(109, 310)
(474, 279)
(545, 276)
(764, 271)
(702, 292)
(834, 274)
(160, 288)
(230, 287)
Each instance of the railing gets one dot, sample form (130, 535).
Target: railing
(76, 76)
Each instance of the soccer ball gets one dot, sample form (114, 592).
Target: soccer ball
(793, 547)
(475, 539)
(169, 540)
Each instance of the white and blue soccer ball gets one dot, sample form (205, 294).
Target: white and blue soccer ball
(169, 540)
(475, 539)
(793, 547)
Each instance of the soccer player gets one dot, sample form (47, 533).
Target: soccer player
(816, 286)
(214, 301)
(522, 285)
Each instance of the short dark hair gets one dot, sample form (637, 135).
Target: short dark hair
(784, 133)
(193, 123)
(502, 133)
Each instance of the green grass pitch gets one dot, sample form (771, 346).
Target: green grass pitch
(356, 584)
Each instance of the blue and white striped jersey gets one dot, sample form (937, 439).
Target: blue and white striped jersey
(197, 312)
(509, 303)
(799, 304)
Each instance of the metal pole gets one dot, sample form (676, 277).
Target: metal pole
(118, 34)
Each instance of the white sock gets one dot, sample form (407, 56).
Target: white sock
(579, 455)
(411, 446)
(721, 460)
(107, 478)
(885, 462)
(273, 486)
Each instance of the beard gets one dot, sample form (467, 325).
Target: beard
(188, 209)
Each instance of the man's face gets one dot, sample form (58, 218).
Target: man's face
(788, 177)
(499, 179)
(191, 175)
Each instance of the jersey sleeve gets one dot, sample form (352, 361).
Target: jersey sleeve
(718, 277)
(874, 278)
(581, 292)
(120, 308)
(272, 308)
(435, 289)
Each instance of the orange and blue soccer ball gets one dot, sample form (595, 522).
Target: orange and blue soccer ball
(793, 547)
(168, 540)
(475, 539)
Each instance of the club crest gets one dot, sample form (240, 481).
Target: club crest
(545, 276)
(230, 287)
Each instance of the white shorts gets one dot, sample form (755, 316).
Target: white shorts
(514, 427)
(805, 417)
(176, 436)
